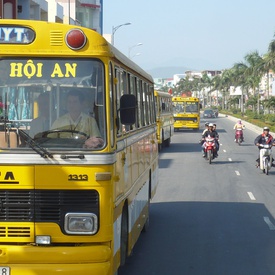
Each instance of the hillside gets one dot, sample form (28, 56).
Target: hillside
(167, 72)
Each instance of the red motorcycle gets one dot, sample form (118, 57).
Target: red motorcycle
(209, 149)
(239, 136)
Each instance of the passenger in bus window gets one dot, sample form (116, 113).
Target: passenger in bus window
(41, 123)
(76, 120)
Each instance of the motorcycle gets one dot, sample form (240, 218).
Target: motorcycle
(239, 136)
(209, 149)
(265, 158)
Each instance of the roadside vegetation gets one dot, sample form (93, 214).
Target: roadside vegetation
(255, 104)
(260, 120)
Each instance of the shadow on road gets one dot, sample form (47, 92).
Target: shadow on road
(197, 238)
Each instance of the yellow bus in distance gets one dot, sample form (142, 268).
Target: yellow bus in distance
(186, 112)
(78, 149)
(165, 119)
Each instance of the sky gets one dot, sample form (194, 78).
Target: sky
(199, 34)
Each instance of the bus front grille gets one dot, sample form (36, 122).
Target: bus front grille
(45, 205)
(15, 232)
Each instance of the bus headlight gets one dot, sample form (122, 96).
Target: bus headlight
(81, 223)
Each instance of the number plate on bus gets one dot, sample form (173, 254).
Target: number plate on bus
(4, 270)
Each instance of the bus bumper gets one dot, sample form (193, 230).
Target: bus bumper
(32, 260)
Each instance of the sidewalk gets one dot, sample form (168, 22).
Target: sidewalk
(248, 125)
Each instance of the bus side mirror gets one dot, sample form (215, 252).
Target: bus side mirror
(128, 109)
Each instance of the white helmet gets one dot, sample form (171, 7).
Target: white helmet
(210, 124)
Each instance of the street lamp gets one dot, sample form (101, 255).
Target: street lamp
(114, 29)
(137, 54)
(130, 48)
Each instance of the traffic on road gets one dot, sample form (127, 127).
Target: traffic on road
(209, 219)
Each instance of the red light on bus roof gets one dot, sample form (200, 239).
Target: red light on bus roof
(75, 39)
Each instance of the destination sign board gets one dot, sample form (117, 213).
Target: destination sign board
(16, 35)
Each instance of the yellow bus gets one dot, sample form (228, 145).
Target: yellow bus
(165, 120)
(78, 149)
(186, 112)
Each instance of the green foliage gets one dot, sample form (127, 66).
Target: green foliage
(260, 120)
(270, 118)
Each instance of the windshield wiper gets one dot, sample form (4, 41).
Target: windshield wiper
(36, 147)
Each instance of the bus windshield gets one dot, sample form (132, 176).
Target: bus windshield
(52, 103)
(186, 107)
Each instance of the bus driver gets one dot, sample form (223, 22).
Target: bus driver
(76, 120)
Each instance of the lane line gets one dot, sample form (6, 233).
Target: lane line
(230, 159)
(224, 151)
(237, 173)
(269, 223)
(251, 196)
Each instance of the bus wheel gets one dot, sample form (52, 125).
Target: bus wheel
(124, 237)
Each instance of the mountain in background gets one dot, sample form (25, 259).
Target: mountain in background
(167, 72)
(180, 66)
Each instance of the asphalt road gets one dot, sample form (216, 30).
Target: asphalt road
(213, 219)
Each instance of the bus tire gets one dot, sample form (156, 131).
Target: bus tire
(124, 236)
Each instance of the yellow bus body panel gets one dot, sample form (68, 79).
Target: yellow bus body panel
(122, 182)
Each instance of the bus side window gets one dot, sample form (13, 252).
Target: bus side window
(99, 110)
(163, 106)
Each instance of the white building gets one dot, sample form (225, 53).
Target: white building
(177, 78)
(87, 13)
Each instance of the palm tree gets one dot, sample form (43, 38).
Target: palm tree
(206, 84)
(248, 73)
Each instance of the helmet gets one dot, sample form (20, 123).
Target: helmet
(239, 121)
(266, 129)
(210, 125)
(206, 124)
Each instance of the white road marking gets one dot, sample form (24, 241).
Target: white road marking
(251, 196)
(224, 151)
(269, 223)
(237, 173)
(230, 159)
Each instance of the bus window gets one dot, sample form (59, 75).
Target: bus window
(27, 102)
(118, 92)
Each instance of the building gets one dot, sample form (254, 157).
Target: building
(86, 13)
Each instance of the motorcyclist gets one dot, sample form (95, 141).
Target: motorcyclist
(206, 129)
(262, 139)
(213, 134)
(239, 126)
(217, 140)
